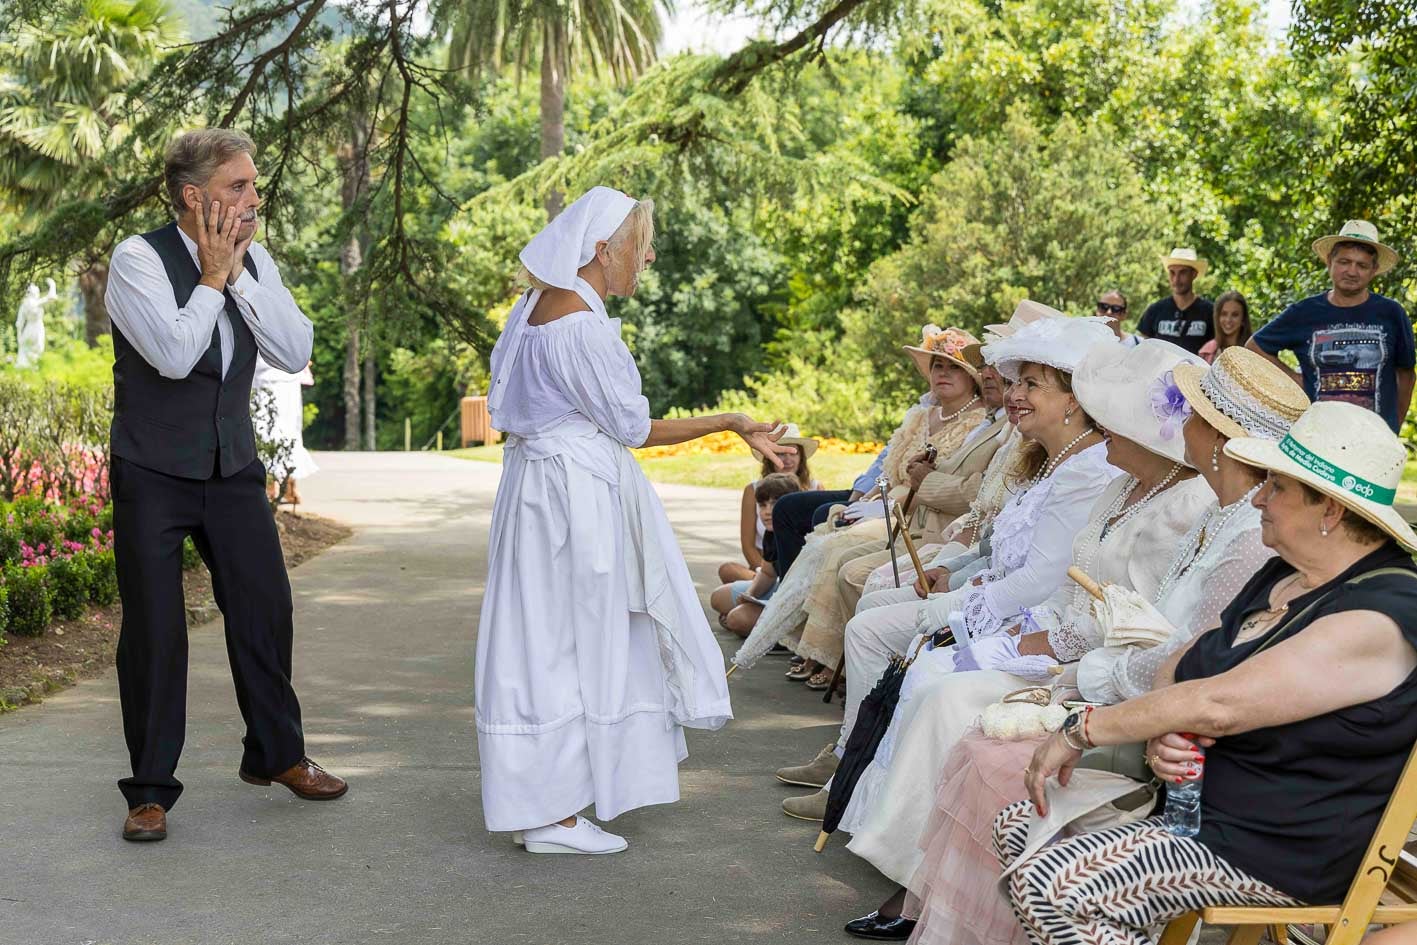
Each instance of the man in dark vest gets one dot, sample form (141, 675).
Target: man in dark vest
(192, 303)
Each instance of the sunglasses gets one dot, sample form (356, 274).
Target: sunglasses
(1111, 309)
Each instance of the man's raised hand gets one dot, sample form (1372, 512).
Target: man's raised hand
(216, 243)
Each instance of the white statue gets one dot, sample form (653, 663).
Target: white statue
(29, 325)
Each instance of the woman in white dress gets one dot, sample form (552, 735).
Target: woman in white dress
(287, 419)
(593, 652)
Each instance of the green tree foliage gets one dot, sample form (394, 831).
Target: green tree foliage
(1056, 217)
(64, 97)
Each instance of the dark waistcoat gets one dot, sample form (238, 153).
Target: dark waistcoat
(200, 424)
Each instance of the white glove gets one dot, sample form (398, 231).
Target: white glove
(987, 653)
(1035, 668)
(934, 614)
(863, 509)
(1128, 619)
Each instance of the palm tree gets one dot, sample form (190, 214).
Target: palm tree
(618, 37)
(63, 102)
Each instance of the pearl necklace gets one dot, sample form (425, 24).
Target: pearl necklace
(955, 416)
(1057, 461)
(1202, 539)
(1116, 509)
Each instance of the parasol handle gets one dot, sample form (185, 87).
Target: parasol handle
(821, 843)
(731, 670)
(910, 544)
(1085, 582)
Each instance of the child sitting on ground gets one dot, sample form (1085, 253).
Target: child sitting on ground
(740, 602)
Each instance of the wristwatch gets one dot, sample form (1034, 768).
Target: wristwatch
(1072, 731)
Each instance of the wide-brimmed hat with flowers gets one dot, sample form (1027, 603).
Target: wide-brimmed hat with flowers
(1243, 394)
(1059, 343)
(948, 343)
(1358, 231)
(793, 437)
(1345, 452)
(1185, 256)
(1131, 391)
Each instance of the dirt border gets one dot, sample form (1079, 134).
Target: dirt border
(33, 667)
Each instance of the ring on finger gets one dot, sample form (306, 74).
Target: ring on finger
(1154, 760)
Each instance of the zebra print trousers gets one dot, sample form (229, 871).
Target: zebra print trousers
(1113, 886)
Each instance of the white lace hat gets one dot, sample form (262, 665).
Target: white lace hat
(1059, 343)
(1185, 256)
(1131, 391)
(1358, 231)
(1344, 451)
(1243, 394)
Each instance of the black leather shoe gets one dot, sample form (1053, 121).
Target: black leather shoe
(878, 927)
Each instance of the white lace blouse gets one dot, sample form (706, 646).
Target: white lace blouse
(1135, 554)
(1033, 541)
(1192, 602)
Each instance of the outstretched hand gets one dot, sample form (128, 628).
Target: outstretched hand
(763, 437)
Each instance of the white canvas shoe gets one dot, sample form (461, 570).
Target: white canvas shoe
(585, 837)
(518, 838)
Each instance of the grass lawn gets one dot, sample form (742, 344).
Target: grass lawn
(836, 471)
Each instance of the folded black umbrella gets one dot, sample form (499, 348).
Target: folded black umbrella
(872, 720)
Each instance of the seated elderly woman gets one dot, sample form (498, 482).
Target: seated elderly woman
(955, 410)
(955, 892)
(1305, 699)
(1059, 473)
(1129, 542)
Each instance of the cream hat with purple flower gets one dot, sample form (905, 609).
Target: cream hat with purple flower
(1131, 391)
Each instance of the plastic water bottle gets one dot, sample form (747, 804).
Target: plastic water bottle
(1183, 804)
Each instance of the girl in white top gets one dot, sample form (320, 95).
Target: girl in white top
(750, 525)
(593, 652)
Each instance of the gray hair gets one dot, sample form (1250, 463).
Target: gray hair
(194, 156)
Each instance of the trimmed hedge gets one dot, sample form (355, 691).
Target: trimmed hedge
(31, 607)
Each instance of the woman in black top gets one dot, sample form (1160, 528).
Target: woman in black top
(1305, 699)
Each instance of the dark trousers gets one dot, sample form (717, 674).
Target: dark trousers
(231, 524)
(792, 521)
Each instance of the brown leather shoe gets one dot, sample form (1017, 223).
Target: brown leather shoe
(306, 780)
(146, 822)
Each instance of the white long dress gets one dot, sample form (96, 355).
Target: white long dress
(593, 651)
(289, 407)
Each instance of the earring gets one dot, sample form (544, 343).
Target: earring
(1215, 459)
(1323, 530)
(1067, 418)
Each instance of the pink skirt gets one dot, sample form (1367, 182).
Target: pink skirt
(956, 889)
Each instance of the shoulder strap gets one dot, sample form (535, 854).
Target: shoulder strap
(1274, 634)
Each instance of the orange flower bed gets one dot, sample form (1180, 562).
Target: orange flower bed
(722, 444)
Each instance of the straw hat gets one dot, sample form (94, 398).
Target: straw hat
(1344, 451)
(1025, 313)
(1358, 231)
(1131, 391)
(1185, 256)
(791, 436)
(948, 343)
(1059, 343)
(1242, 395)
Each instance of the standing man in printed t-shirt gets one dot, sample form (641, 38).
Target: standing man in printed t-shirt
(1352, 344)
(1182, 318)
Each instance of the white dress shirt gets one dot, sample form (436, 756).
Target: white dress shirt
(173, 339)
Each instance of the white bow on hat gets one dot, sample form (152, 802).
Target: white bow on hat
(568, 242)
